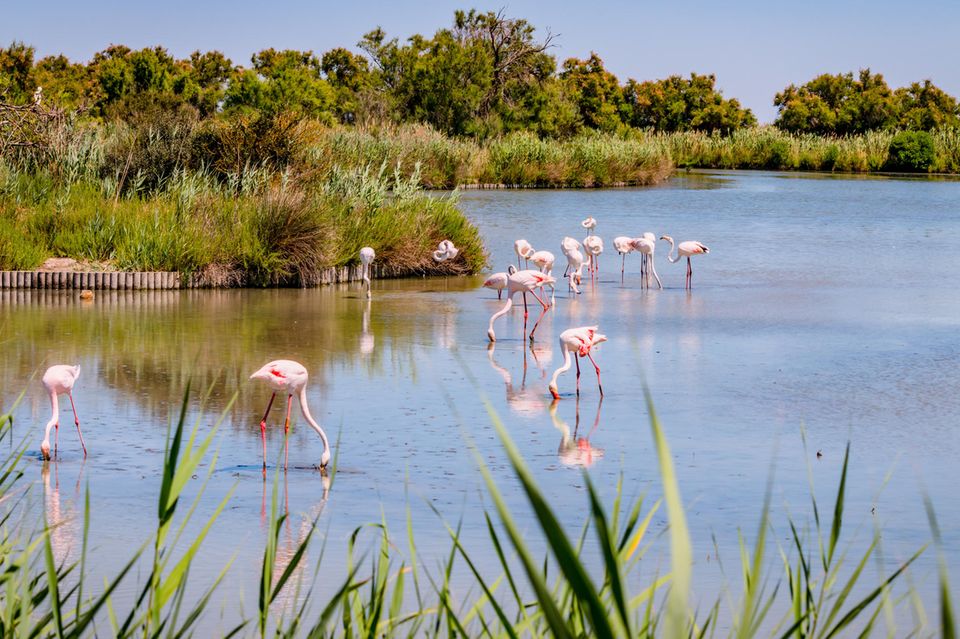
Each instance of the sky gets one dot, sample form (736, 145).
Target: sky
(755, 48)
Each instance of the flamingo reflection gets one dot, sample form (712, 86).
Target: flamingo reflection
(367, 339)
(520, 399)
(62, 523)
(573, 450)
(289, 542)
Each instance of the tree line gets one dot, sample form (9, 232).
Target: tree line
(486, 75)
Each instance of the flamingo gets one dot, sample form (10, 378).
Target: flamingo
(544, 261)
(578, 341)
(589, 224)
(567, 246)
(367, 256)
(575, 261)
(498, 281)
(624, 246)
(521, 282)
(685, 249)
(59, 380)
(523, 249)
(647, 245)
(593, 245)
(445, 251)
(284, 375)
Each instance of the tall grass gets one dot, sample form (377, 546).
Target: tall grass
(256, 231)
(769, 148)
(814, 595)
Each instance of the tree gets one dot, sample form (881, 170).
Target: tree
(64, 83)
(349, 76)
(837, 104)
(924, 106)
(679, 104)
(280, 81)
(16, 77)
(596, 92)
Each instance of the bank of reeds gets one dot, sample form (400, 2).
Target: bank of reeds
(769, 148)
(519, 159)
(819, 592)
(257, 228)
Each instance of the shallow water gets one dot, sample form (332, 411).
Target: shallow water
(829, 305)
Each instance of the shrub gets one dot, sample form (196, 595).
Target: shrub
(911, 151)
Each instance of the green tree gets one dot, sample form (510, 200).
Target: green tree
(280, 81)
(680, 104)
(64, 83)
(924, 106)
(596, 92)
(837, 104)
(16, 77)
(349, 76)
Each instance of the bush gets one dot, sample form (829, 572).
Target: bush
(911, 151)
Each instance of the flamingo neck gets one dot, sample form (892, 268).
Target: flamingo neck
(54, 417)
(673, 260)
(313, 423)
(502, 311)
(563, 369)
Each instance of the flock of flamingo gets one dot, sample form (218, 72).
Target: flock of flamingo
(290, 377)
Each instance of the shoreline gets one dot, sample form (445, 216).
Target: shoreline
(167, 280)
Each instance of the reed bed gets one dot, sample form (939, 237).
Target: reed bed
(520, 159)
(258, 229)
(817, 593)
(770, 148)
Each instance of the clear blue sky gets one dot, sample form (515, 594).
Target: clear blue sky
(755, 48)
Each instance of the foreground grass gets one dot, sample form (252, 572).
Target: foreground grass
(813, 595)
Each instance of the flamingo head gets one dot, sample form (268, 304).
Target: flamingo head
(324, 459)
(45, 450)
(491, 335)
(666, 238)
(553, 391)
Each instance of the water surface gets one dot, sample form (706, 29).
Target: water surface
(825, 305)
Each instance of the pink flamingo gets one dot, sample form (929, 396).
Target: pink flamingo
(287, 376)
(544, 261)
(523, 249)
(624, 246)
(367, 255)
(521, 282)
(685, 249)
(498, 281)
(647, 246)
(593, 246)
(579, 341)
(59, 380)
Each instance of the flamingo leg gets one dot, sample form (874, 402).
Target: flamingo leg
(263, 432)
(518, 260)
(689, 274)
(545, 306)
(500, 294)
(534, 330)
(56, 437)
(525, 311)
(76, 421)
(576, 358)
(623, 264)
(286, 431)
(599, 385)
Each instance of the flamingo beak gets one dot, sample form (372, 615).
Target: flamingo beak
(553, 391)
(492, 337)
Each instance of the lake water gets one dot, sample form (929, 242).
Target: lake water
(830, 305)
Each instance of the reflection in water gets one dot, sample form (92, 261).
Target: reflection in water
(62, 523)
(288, 544)
(573, 450)
(367, 338)
(523, 399)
